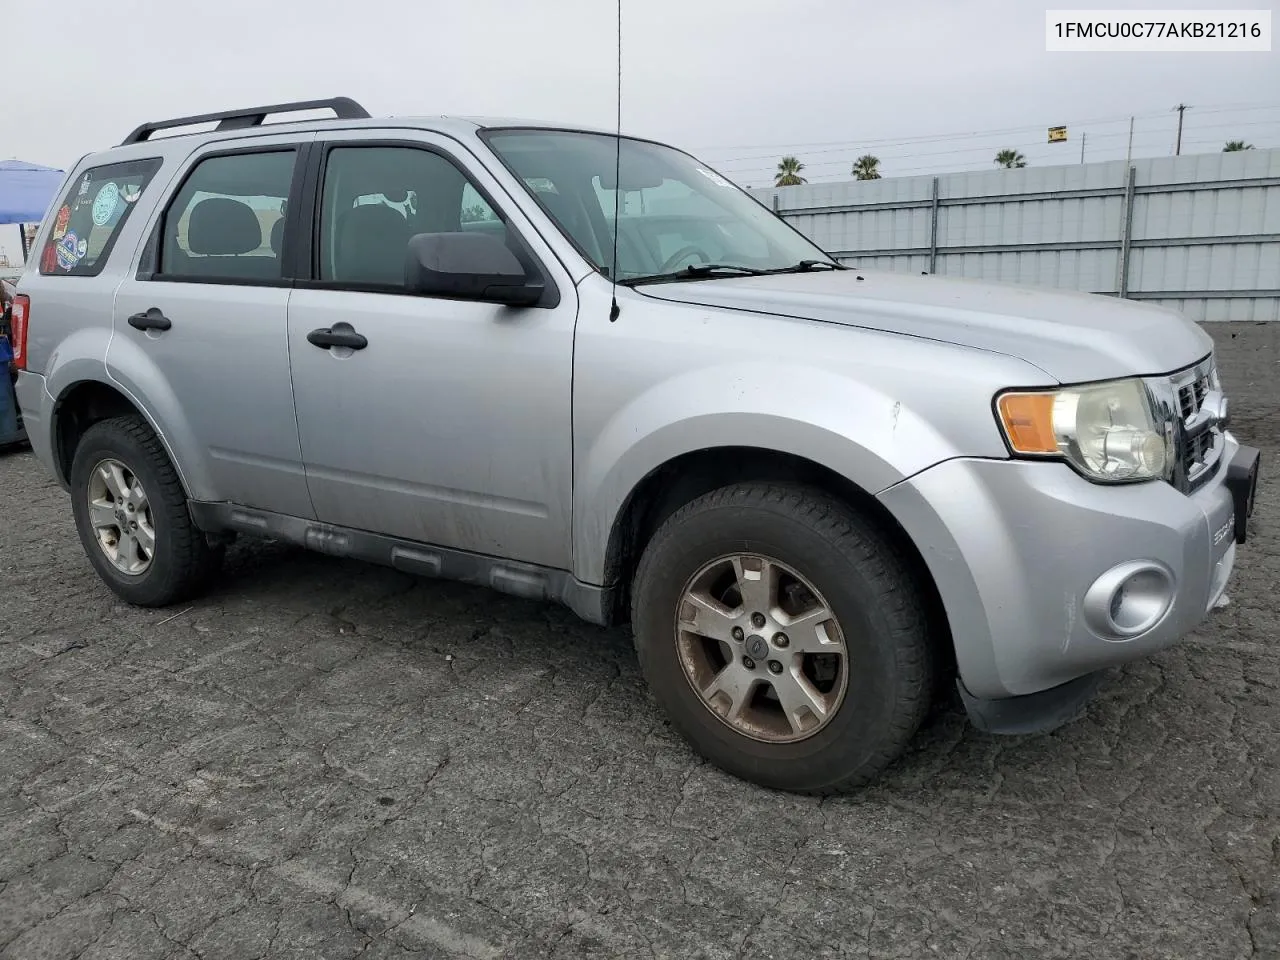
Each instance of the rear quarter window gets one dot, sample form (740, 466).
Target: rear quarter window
(90, 215)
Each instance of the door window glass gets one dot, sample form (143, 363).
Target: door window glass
(227, 221)
(376, 198)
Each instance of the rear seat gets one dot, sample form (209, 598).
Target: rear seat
(222, 228)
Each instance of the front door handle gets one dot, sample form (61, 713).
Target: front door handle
(151, 319)
(327, 337)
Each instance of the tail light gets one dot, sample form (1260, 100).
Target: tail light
(19, 318)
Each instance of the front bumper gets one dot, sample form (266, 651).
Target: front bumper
(1018, 548)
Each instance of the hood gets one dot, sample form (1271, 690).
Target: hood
(1073, 337)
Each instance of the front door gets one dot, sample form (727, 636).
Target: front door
(451, 425)
(201, 332)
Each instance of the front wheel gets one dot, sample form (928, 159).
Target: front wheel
(784, 636)
(132, 517)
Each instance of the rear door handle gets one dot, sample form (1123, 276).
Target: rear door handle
(327, 337)
(151, 319)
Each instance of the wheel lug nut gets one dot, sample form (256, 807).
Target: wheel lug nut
(738, 634)
(748, 663)
(757, 620)
(780, 640)
(775, 666)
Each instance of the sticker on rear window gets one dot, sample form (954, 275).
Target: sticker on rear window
(714, 177)
(60, 224)
(89, 218)
(69, 251)
(104, 204)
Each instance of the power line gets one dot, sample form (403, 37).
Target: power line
(1144, 140)
(764, 178)
(939, 136)
(839, 146)
(964, 158)
(1221, 108)
(1237, 125)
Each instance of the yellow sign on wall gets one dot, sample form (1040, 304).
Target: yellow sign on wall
(1057, 134)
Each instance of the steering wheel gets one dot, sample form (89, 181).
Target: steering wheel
(683, 253)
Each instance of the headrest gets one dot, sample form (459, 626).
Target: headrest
(220, 226)
(371, 221)
(373, 240)
(277, 235)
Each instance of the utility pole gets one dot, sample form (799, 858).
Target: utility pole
(1177, 150)
(1128, 154)
(1083, 138)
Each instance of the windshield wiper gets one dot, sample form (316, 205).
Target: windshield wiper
(697, 271)
(804, 266)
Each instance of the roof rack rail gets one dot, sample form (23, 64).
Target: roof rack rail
(344, 108)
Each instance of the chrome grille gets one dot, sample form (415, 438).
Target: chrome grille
(1196, 450)
(1192, 394)
(1197, 436)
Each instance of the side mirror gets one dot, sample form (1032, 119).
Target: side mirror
(468, 266)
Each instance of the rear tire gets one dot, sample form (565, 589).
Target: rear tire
(132, 517)
(846, 571)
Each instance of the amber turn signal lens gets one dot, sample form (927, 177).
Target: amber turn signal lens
(1028, 422)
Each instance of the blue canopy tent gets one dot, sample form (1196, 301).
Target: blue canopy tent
(26, 192)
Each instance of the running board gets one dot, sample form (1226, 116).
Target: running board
(527, 580)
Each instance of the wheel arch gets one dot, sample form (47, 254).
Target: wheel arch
(79, 406)
(685, 477)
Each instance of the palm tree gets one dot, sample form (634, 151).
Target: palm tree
(788, 174)
(1234, 146)
(866, 167)
(1010, 159)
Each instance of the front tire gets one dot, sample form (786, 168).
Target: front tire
(784, 637)
(132, 517)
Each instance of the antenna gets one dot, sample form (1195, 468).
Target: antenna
(617, 179)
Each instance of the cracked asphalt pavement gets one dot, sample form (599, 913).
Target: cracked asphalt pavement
(323, 759)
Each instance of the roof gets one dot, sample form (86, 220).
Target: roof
(458, 127)
(163, 136)
(491, 122)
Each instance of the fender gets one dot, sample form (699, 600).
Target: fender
(672, 378)
(135, 375)
(84, 351)
(849, 426)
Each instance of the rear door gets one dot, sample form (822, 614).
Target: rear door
(452, 425)
(201, 332)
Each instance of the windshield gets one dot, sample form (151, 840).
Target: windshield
(675, 213)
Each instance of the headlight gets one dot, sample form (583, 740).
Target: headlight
(1107, 431)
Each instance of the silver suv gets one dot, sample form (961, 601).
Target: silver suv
(587, 368)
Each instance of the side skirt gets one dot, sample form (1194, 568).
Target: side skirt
(530, 581)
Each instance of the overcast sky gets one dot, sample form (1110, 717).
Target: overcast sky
(739, 81)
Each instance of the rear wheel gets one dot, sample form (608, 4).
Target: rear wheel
(132, 518)
(784, 637)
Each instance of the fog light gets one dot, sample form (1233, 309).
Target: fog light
(1129, 599)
